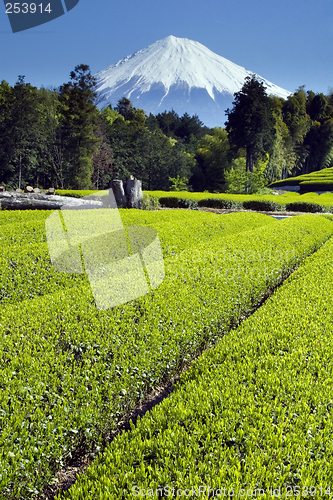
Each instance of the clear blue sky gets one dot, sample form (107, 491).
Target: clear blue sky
(288, 42)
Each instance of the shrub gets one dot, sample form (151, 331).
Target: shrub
(261, 205)
(178, 183)
(187, 203)
(169, 201)
(149, 202)
(174, 202)
(240, 181)
(217, 203)
(305, 207)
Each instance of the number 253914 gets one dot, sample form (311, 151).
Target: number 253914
(26, 8)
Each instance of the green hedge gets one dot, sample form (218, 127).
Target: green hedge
(326, 199)
(174, 202)
(253, 413)
(305, 207)
(219, 203)
(261, 205)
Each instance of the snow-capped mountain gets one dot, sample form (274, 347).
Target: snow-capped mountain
(180, 74)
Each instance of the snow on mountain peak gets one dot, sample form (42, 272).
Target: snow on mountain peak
(174, 68)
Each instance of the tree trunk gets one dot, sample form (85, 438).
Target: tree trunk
(249, 160)
(20, 172)
(20, 201)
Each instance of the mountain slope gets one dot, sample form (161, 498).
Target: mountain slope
(180, 74)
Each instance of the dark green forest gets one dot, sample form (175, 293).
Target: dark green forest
(59, 137)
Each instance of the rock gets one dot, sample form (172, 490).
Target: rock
(36, 190)
(18, 191)
(51, 191)
(2, 189)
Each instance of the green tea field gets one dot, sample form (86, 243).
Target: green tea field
(245, 303)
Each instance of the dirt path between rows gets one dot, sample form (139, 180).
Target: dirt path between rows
(229, 211)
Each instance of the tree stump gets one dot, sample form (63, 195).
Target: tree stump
(119, 193)
(51, 191)
(29, 189)
(133, 192)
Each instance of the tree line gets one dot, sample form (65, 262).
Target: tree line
(59, 137)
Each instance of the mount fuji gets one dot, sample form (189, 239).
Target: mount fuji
(180, 74)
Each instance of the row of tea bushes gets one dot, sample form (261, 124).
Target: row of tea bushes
(325, 176)
(25, 267)
(175, 199)
(180, 230)
(75, 193)
(185, 199)
(22, 216)
(252, 417)
(69, 373)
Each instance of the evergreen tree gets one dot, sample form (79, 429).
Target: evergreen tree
(190, 127)
(78, 127)
(103, 159)
(23, 133)
(318, 142)
(148, 155)
(49, 170)
(298, 123)
(6, 145)
(250, 122)
(169, 122)
(212, 157)
(282, 158)
(125, 108)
